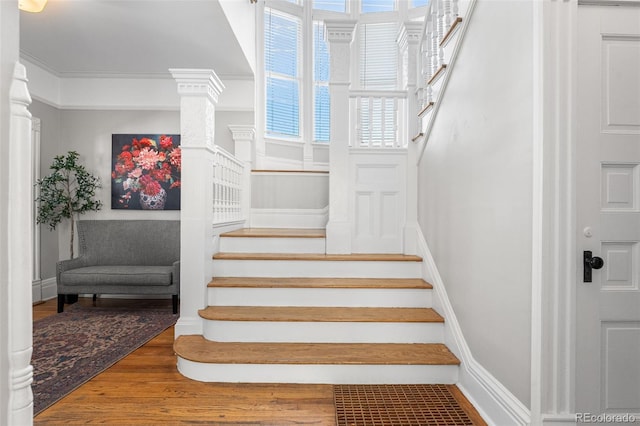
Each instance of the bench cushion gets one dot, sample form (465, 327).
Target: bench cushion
(118, 275)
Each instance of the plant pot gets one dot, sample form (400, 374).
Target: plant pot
(153, 202)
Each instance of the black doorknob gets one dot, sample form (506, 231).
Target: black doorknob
(596, 262)
(590, 262)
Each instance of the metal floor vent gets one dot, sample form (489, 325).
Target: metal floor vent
(397, 405)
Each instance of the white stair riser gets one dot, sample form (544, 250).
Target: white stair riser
(318, 269)
(323, 332)
(321, 297)
(272, 245)
(319, 373)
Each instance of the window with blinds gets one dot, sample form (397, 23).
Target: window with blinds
(370, 6)
(321, 101)
(378, 56)
(332, 5)
(282, 69)
(378, 71)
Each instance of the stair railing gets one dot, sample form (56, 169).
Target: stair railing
(378, 119)
(228, 178)
(443, 19)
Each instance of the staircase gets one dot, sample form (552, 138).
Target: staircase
(281, 310)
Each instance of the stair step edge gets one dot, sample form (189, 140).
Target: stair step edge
(318, 257)
(302, 282)
(320, 314)
(196, 348)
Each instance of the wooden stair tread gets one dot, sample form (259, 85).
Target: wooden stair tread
(197, 349)
(387, 283)
(320, 314)
(321, 257)
(275, 233)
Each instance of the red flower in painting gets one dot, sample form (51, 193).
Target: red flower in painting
(166, 142)
(147, 165)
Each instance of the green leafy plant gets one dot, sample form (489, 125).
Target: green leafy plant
(66, 193)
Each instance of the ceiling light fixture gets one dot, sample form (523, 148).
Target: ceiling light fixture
(32, 5)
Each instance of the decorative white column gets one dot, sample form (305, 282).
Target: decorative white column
(339, 35)
(409, 43)
(199, 91)
(245, 151)
(20, 254)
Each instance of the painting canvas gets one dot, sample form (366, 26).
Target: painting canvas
(145, 171)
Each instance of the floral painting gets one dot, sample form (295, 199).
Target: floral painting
(145, 172)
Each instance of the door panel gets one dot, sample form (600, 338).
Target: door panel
(378, 196)
(608, 205)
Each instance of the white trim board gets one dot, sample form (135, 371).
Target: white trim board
(289, 218)
(493, 401)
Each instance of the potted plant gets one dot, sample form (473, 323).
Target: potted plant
(66, 193)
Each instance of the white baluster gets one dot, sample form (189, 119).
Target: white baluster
(441, 32)
(447, 15)
(434, 44)
(454, 10)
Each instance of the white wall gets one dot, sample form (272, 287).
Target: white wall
(223, 136)
(475, 191)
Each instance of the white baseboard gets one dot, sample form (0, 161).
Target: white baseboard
(289, 218)
(49, 289)
(188, 326)
(559, 420)
(493, 401)
(42, 290)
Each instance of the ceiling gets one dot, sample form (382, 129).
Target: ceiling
(86, 38)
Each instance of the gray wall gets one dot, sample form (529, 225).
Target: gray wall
(50, 137)
(475, 191)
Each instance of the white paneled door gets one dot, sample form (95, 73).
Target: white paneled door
(377, 200)
(608, 218)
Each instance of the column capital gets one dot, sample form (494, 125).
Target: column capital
(198, 82)
(409, 32)
(339, 31)
(242, 132)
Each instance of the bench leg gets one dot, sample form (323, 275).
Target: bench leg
(174, 300)
(61, 298)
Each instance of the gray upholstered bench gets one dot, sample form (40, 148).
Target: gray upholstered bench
(138, 257)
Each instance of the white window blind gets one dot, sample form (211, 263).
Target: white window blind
(321, 101)
(378, 56)
(332, 5)
(378, 71)
(282, 58)
(369, 6)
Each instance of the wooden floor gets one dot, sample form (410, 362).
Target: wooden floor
(145, 388)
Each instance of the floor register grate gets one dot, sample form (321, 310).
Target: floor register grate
(398, 405)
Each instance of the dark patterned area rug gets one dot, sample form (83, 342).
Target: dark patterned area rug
(72, 347)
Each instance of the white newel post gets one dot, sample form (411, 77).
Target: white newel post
(409, 43)
(244, 137)
(20, 254)
(199, 91)
(339, 35)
